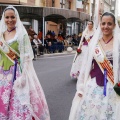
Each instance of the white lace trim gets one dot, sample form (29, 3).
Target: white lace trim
(13, 39)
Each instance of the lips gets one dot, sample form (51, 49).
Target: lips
(105, 30)
(10, 23)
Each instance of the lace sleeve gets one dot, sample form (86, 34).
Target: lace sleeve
(84, 73)
(26, 52)
(80, 84)
(26, 56)
(25, 48)
(119, 66)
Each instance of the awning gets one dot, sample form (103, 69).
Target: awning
(47, 12)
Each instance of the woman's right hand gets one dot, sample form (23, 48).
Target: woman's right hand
(80, 95)
(1, 43)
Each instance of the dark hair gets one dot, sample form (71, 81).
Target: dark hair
(91, 22)
(8, 9)
(108, 14)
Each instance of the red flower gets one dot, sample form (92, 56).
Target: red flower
(79, 50)
(118, 84)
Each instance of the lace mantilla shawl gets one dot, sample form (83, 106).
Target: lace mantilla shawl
(87, 60)
(28, 82)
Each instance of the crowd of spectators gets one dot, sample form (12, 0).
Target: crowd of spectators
(52, 42)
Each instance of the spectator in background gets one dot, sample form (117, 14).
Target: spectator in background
(60, 46)
(54, 43)
(60, 37)
(74, 40)
(38, 43)
(33, 47)
(53, 33)
(49, 43)
(31, 32)
(69, 40)
(60, 43)
(79, 37)
(40, 34)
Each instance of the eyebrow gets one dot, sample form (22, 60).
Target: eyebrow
(10, 16)
(106, 22)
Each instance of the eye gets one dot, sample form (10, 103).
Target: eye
(109, 23)
(12, 17)
(6, 17)
(103, 23)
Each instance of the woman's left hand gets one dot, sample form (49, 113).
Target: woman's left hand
(80, 95)
(88, 40)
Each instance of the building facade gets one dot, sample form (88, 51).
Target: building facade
(107, 5)
(71, 26)
(54, 15)
(24, 2)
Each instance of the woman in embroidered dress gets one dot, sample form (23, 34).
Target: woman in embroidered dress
(83, 45)
(21, 95)
(95, 98)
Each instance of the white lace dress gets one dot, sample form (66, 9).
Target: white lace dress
(77, 62)
(94, 105)
(10, 106)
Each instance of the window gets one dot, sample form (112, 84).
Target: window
(53, 3)
(69, 5)
(62, 2)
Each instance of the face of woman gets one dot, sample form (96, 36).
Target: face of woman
(90, 25)
(10, 18)
(107, 25)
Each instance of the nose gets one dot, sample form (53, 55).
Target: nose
(10, 19)
(106, 25)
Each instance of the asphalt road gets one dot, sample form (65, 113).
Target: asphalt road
(53, 73)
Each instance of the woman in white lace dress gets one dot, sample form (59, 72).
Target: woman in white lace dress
(95, 98)
(83, 45)
(21, 95)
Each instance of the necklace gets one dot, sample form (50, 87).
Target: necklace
(11, 29)
(107, 41)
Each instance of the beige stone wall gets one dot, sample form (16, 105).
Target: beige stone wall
(31, 2)
(48, 3)
(57, 3)
(73, 5)
(10, 1)
(52, 26)
(24, 2)
(37, 2)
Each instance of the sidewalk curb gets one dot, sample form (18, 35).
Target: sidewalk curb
(59, 54)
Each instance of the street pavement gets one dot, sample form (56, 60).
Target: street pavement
(53, 72)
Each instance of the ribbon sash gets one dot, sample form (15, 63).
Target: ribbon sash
(9, 52)
(104, 63)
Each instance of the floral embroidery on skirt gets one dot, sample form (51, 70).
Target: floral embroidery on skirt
(96, 106)
(76, 66)
(10, 107)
